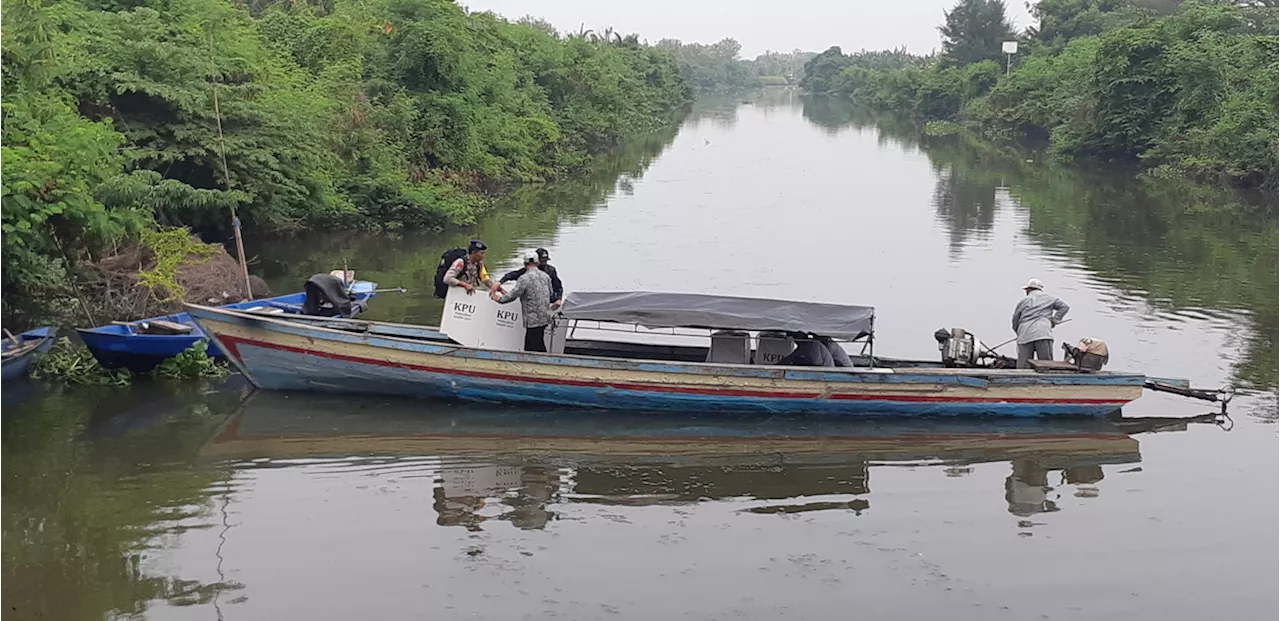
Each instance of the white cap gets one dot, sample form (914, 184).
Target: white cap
(1034, 283)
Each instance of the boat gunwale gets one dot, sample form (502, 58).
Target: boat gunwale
(29, 342)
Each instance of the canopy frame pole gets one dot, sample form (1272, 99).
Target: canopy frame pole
(871, 344)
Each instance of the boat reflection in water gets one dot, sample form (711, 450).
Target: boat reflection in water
(515, 465)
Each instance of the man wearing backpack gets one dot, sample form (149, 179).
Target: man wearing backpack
(466, 271)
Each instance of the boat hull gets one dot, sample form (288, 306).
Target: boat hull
(118, 347)
(16, 367)
(282, 355)
(139, 352)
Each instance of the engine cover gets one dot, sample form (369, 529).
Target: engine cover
(958, 349)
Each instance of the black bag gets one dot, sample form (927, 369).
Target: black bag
(446, 261)
(326, 296)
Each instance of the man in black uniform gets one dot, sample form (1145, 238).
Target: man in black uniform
(557, 288)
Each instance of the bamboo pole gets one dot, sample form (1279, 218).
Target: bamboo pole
(226, 174)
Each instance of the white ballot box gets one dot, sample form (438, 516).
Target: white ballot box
(477, 321)
(774, 346)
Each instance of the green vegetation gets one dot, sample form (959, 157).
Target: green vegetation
(72, 363)
(172, 249)
(194, 363)
(531, 216)
(716, 68)
(387, 114)
(1190, 89)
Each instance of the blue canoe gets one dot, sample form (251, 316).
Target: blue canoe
(18, 356)
(122, 346)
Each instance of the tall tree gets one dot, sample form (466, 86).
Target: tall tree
(974, 30)
(1063, 20)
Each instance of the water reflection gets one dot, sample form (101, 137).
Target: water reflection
(96, 503)
(520, 493)
(496, 465)
(966, 205)
(94, 478)
(1027, 489)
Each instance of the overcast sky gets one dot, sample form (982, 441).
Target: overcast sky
(809, 25)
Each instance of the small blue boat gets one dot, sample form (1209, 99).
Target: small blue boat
(18, 356)
(125, 345)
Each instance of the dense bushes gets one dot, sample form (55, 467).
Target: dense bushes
(1193, 90)
(384, 112)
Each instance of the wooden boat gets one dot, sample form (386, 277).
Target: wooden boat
(132, 346)
(17, 356)
(343, 356)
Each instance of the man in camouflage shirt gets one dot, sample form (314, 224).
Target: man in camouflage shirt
(533, 289)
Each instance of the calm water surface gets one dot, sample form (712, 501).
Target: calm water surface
(209, 502)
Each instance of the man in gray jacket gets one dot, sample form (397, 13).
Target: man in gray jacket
(533, 289)
(1034, 318)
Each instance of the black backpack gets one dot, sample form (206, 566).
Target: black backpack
(446, 261)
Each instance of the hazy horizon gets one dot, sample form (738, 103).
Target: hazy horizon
(811, 27)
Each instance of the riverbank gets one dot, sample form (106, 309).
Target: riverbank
(385, 115)
(1188, 91)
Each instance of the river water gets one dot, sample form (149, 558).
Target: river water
(213, 502)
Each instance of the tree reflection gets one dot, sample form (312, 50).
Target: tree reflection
(833, 114)
(720, 112)
(965, 204)
(79, 514)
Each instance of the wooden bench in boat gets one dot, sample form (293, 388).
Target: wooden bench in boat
(21, 349)
(265, 310)
(162, 326)
(158, 327)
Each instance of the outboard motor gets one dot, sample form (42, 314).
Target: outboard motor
(326, 296)
(1089, 354)
(958, 347)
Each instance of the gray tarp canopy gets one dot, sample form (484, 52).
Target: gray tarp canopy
(693, 310)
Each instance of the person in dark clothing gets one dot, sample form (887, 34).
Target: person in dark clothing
(809, 352)
(557, 288)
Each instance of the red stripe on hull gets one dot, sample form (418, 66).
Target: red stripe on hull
(232, 342)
